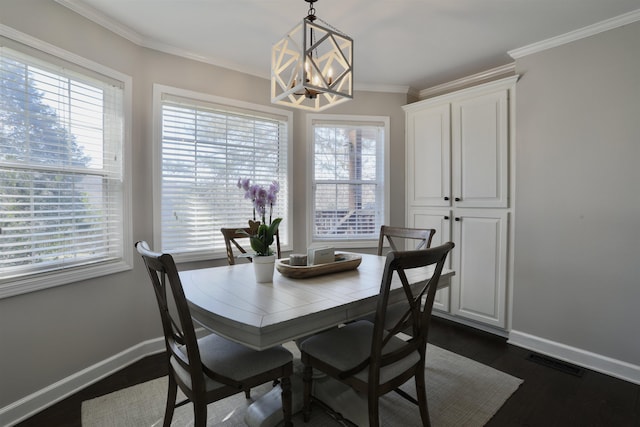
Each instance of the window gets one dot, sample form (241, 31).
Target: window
(205, 144)
(63, 209)
(348, 172)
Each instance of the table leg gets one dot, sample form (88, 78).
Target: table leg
(266, 411)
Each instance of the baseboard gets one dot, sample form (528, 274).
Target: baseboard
(36, 402)
(596, 362)
(476, 325)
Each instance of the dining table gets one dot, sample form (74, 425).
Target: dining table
(228, 301)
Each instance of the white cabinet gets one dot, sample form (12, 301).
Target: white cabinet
(457, 151)
(480, 150)
(458, 173)
(439, 220)
(429, 159)
(478, 290)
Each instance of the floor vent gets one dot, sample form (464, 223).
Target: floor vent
(559, 365)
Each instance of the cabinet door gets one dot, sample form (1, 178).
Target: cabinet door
(480, 151)
(429, 156)
(439, 220)
(480, 262)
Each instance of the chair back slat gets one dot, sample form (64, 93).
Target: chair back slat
(176, 319)
(420, 303)
(233, 236)
(398, 238)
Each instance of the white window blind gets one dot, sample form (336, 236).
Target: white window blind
(61, 167)
(206, 148)
(348, 178)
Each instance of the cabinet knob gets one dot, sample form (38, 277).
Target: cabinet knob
(457, 218)
(457, 199)
(446, 198)
(446, 217)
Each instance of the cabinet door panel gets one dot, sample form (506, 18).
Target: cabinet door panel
(439, 220)
(480, 151)
(479, 286)
(428, 157)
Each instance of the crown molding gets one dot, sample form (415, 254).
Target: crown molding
(110, 24)
(581, 33)
(472, 80)
(464, 93)
(99, 18)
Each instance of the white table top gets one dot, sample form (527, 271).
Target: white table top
(228, 301)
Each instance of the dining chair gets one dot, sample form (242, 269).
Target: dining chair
(209, 368)
(401, 238)
(398, 237)
(369, 357)
(234, 235)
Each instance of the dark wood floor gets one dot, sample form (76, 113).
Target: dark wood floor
(549, 396)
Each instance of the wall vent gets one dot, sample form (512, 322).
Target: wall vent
(559, 365)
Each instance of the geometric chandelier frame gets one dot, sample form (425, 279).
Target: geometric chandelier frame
(312, 66)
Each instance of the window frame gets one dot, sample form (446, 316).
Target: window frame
(341, 120)
(160, 90)
(36, 281)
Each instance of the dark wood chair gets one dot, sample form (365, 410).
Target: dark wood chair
(368, 356)
(233, 237)
(210, 368)
(399, 236)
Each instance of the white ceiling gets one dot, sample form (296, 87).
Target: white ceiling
(397, 43)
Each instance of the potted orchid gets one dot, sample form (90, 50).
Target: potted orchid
(262, 198)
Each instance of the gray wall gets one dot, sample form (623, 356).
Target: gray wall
(577, 257)
(53, 334)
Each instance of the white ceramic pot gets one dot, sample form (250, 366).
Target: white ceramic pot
(263, 267)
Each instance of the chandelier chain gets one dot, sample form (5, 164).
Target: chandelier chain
(311, 16)
(312, 11)
(342, 33)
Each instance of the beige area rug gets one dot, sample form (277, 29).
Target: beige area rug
(461, 392)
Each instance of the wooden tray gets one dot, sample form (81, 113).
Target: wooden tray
(342, 262)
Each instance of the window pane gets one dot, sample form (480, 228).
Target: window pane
(348, 179)
(206, 148)
(61, 183)
(346, 210)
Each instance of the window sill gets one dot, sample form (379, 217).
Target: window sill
(47, 280)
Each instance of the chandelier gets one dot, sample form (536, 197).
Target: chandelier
(312, 66)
